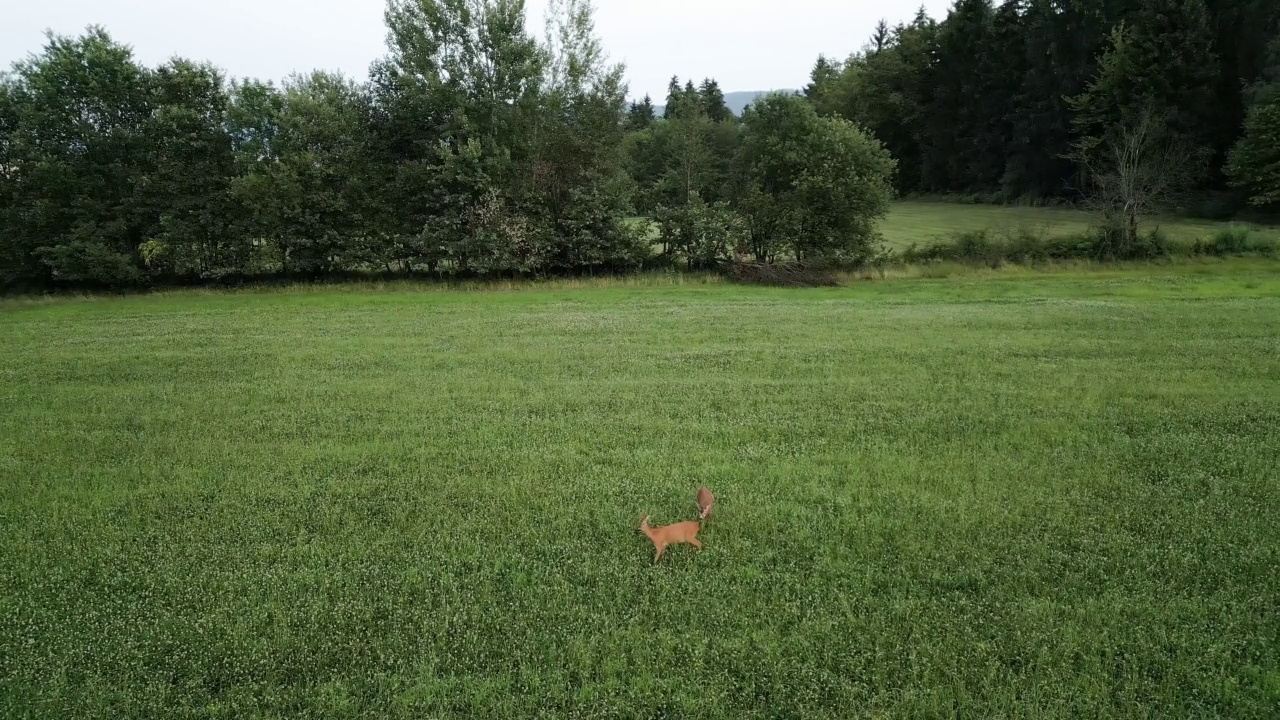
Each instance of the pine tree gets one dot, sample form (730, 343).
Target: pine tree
(1162, 62)
(887, 92)
(1255, 161)
(822, 87)
(880, 38)
(675, 99)
(1254, 164)
(1006, 65)
(713, 101)
(1243, 30)
(641, 115)
(963, 153)
(693, 98)
(1063, 42)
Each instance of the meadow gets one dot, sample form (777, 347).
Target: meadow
(1025, 493)
(925, 221)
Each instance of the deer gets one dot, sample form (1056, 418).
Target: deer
(661, 537)
(705, 500)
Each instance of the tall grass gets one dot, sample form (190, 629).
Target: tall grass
(1012, 493)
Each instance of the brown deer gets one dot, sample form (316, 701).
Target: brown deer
(685, 532)
(705, 501)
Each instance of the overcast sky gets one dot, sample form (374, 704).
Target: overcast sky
(745, 44)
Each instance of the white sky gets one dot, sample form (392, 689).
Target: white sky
(745, 44)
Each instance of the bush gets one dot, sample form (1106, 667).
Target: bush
(1151, 245)
(1112, 239)
(1254, 163)
(1231, 241)
(1019, 245)
(592, 234)
(1236, 240)
(1030, 245)
(700, 233)
(85, 262)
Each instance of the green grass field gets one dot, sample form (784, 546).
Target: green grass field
(1038, 494)
(921, 222)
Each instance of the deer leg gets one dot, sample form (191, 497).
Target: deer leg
(694, 542)
(658, 556)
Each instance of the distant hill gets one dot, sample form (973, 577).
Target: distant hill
(737, 101)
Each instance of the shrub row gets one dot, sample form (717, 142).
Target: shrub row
(1026, 245)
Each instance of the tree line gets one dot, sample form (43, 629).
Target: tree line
(470, 147)
(474, 148)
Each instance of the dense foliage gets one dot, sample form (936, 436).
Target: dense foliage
(473, 148)
(1255, 160)
(995, 99)
(814, 186)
